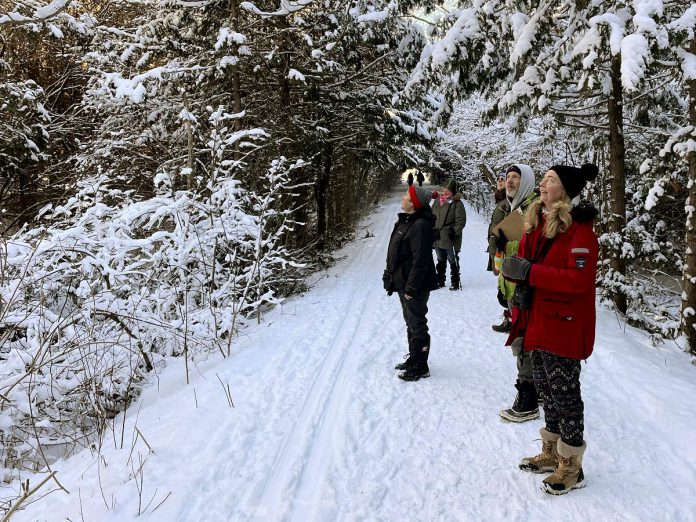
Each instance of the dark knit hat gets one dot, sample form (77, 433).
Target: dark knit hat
(420, 196)
(574, 179)
(451, 185)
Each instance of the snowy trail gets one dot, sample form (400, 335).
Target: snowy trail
(322, 411)
(322, 429)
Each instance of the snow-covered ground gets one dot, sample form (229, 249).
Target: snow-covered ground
(322, 429)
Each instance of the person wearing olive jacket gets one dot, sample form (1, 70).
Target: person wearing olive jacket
(411, 273)
(554, 316)
(519, 187)
(450, 216)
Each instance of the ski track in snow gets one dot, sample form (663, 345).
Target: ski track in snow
(323, 430)
(309, 443)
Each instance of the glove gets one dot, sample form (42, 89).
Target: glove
(516, 268)
(387, 281)
(517, 346)
(501, 241)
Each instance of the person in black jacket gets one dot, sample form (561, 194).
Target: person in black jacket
(411, 273)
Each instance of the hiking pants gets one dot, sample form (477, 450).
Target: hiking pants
(443, 256)
(557, 379)
(414, 311)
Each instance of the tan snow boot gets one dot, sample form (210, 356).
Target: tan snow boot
(547, 460)
(568, 474)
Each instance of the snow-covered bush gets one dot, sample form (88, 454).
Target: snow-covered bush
(108, 287)
(23, 133)
(188, 207)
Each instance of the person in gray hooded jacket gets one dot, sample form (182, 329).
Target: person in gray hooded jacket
(519, 188)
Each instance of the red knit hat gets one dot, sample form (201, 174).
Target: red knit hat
(420, 197)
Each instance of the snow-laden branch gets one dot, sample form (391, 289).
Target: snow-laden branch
(40, 14)
(287, 7)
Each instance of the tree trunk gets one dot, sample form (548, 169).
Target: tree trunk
(688, 305)
(25, 199)
(189, 138)
(321, 191)
(284, 51)
(285, 112)
(236, 81)
(617, 167)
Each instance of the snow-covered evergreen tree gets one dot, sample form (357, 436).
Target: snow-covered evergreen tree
(215, 146)
(598, 69)
(38, 62)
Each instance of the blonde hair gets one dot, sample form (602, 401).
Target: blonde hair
(558, 217)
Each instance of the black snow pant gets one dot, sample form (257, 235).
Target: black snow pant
(414, 311)
(557, 380)
(445, 255)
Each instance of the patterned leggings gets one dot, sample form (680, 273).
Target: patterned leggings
(557, 379)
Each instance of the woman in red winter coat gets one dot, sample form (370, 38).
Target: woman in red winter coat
(554, 316)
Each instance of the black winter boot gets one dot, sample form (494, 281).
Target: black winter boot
(525, 407)
(456, 284)
(418, 370)
(505, 326)
(409, 358)
(441, 269)
(406, 364)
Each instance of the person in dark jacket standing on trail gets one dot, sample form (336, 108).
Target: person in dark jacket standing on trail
(411, 273)
(554, 316)
(409, 179)
(450, 216)
(420, 178)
